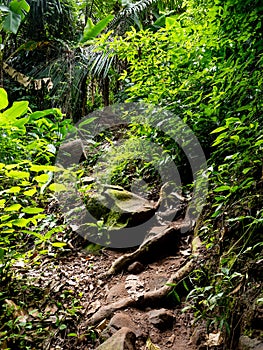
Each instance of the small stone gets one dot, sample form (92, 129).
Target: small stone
(135, 268)
(161, 318)
(124, 339)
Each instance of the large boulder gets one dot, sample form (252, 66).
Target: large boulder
(118, 207)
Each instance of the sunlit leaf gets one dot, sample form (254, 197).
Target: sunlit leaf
(13, 207)
(32, 210)
(59, 244)
(3, 99)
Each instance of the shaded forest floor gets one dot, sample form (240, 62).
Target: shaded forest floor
(72, 286)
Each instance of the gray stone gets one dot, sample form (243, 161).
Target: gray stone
(116, 292)
(123, 339)
(161, 318)
(121, 320)
(135, 268)
(246, 343)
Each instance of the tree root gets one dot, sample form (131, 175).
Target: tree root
(145, 299)
(174, 230)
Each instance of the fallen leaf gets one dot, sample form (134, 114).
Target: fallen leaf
(214, 339)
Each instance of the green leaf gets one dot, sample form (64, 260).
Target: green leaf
(222, 188)
(43, 178)
(91, 32)
(32, 210)
(221, 128)
(17, 110)
(38, 168)
(41, 114)
(20, 7)
(14, 189)
(12, 22)
(170, 22)
(2, 203)
(56, 187)
(16, 174)
(20, 222)
(30, 192)
(59, 244)
(235, 138)
(246, 170)
(72, 335)
(14, 207)
(3, 99)
(62, 326)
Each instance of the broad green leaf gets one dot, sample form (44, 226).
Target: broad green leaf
(20, 124)
(13, 207)
(32, 210)
(14, 189)
(91, 32)
(43, 178)
(59, 244)
(20, 222)
(16, 174)
(10, 230)
(3, 99)
(12, 22)
(41, 114)
(20, 7)
(4, 217)
(170, 22)
(30, 193)
(17, 110)
(11, 166)
(56, 187)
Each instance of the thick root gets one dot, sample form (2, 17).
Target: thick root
(172, 230)
(146, 299)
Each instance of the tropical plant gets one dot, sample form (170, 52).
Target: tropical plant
(205, 66)
(26, 173)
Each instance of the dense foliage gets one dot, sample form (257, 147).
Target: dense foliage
(202, 61)
(205, 66)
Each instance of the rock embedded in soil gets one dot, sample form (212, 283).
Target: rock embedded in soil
(123, 339)
(162, 318)
(246, 343)
(121, 320)
(135, 268)
(116, 292)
